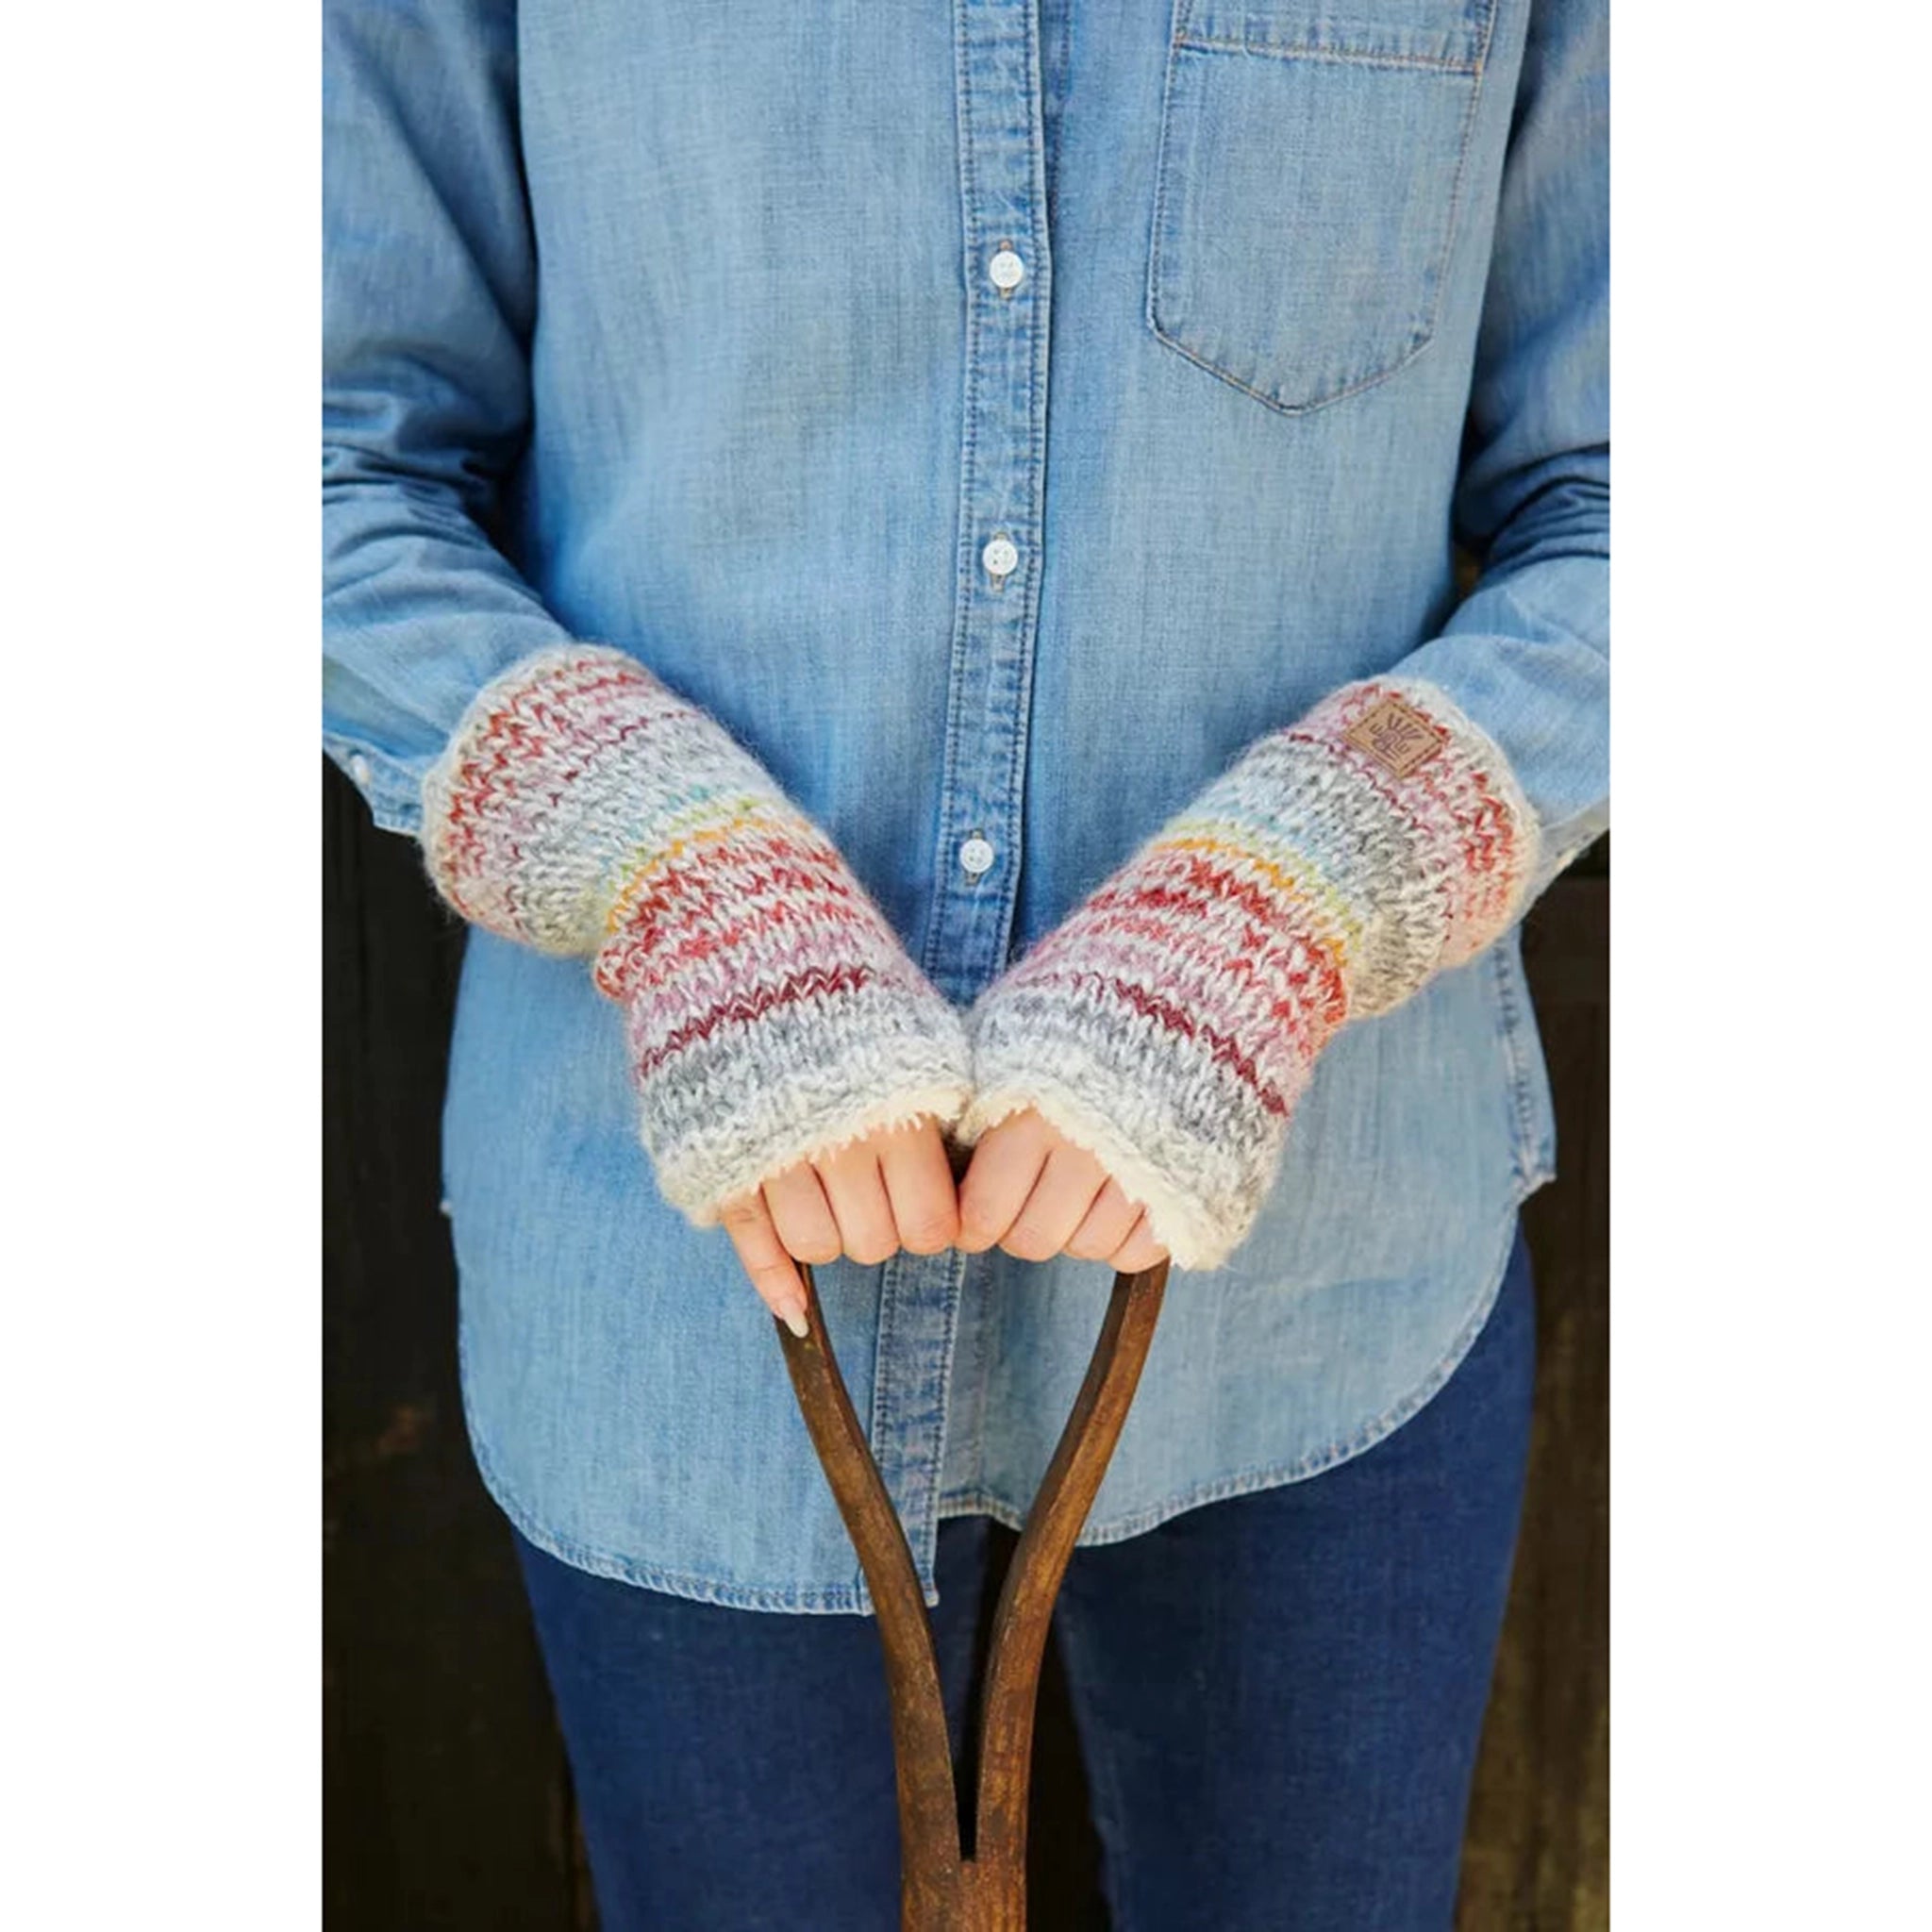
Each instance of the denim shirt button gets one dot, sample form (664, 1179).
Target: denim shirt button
(1006, 271)
(1000, 558)
(359, 768)
(976, 856)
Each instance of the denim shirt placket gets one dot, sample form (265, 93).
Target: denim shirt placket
(1002, 485)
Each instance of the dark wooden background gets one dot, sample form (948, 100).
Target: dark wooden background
(446, 1796)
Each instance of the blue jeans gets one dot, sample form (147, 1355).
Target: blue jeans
(1278, 1699)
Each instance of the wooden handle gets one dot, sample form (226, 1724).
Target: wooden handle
(942, 1891)
(928, 1806)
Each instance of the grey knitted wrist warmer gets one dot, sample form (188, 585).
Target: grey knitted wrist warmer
(772, 1014)
(1171, 1024)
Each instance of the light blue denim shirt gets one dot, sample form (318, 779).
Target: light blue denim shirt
(734, 336)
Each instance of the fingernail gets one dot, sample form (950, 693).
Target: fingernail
(792, 1312)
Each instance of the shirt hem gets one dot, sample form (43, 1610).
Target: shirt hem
(854, 1600)
(833, 1600)
(1279, 1474)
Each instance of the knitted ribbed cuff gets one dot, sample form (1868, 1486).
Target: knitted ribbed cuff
(1170, 1024)
(771, 1012)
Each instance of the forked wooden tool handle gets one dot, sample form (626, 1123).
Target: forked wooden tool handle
(942, 1891)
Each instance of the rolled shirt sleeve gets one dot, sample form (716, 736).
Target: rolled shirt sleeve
(1527, 654)
(428, 301)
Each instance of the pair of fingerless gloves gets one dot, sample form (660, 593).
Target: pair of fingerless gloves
(1169, 1025)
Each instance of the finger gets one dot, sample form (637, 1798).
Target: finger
(1109, 1223)
(999, 1177)
(857, 1194)
(1140, 1250)
(1067, 1188)
(802, 1216)
(772, 1269)
(919, 1186)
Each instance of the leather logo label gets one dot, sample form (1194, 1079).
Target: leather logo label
(1396, 736)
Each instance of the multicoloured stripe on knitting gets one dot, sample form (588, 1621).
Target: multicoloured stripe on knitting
(1171, 1024)
(772, 1014)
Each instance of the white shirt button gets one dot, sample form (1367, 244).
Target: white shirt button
(1006, 270)
(359, 768)
(976, 856)
(1000, 558)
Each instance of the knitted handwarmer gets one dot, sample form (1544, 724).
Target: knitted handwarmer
(1171, 1022)
(772, 1015)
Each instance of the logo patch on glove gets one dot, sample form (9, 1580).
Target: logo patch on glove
(1396, 736)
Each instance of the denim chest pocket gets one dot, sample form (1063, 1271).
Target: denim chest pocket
(1308, 185)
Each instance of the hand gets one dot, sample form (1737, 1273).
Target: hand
(893, 1190)
(1029, 1189)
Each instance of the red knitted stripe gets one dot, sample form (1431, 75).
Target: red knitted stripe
(534, 727)
(544, 721)
(1223, 964)
(643, 952)
(753, 1006)
(1249, 965)
(717, 876)
(1164, 1012)
(1205, 879)
(1270, 910)
(1218, 1045)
